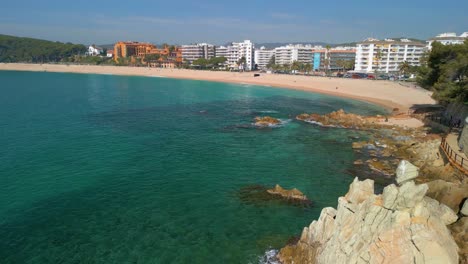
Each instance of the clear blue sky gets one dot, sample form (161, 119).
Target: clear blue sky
(218, 22)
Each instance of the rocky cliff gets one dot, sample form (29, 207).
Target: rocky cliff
(401, 225)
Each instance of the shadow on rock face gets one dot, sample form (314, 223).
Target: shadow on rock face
(257, 195)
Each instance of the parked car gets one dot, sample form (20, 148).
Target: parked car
(371, 77)
(383, 77)
(359, 75)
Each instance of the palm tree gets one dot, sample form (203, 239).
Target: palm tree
(327, 58)
(241, 62)
(378, 57)
(172, 48)
(295, 66)
(404, 67)
(271, 63)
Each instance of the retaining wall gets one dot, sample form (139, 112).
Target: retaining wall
(463, 140)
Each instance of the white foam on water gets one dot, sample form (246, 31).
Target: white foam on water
(320, 124)
(269, 257)
(267, 111)
(283, 123)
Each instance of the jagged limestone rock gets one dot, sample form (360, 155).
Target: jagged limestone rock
(460, 234)
(399, 226)
(410, 194)
(389, 196)
(443, 212)
(450, 193)
(464, 210)
(359, 191)
(406, 172)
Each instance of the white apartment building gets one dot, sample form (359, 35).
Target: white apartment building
(193, 52)
(373, 55)
(94, 50)
(263, 56)
(448, 38)
(290, 53)
(245, 49)
(221, 51)
(235, 52)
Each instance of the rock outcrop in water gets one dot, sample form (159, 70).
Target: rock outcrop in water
(266, 121)
(342, 119)
(388, 144)
(260, 195)
(293, 194)
(402, 225)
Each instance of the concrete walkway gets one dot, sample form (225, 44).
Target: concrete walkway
(455, 154)
(452, 140)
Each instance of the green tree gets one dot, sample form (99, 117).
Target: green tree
(295, 66)
(152, 57)
(327, 58)
(345, 64)
(378, 58)
(217, 61)
(16, 49)
(446, 72)
(307, 67)
(272, 63)
(201, 63)
(172, 48)
(404, 67)
(241, 62)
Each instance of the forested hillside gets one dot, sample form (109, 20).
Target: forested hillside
(17, 49)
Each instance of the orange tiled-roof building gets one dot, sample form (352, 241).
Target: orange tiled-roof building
(169, 57)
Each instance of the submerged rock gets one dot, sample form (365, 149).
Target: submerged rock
(260, 195)
(266, 121)
(293, 194)
(402, 225)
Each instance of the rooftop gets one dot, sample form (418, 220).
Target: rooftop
(390, 41)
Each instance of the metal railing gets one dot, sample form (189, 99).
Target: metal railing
(454, 158)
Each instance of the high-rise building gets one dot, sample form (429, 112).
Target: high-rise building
(193, 52)
(244, 50)
(333, 59)
(124, 49)
(263, 56)
(169, 56)
(448, 38)
(286, 55)
(235, 52)
(373, 55)
(221, 51)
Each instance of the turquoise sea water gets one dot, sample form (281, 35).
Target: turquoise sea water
(116, 169)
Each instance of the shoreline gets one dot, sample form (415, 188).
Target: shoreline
(389, 95)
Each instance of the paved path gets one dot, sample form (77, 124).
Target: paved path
(454, 153)
(452, 140)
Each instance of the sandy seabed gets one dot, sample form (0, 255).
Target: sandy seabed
(388, 94)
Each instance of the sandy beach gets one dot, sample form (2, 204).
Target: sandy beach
(384, 93)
